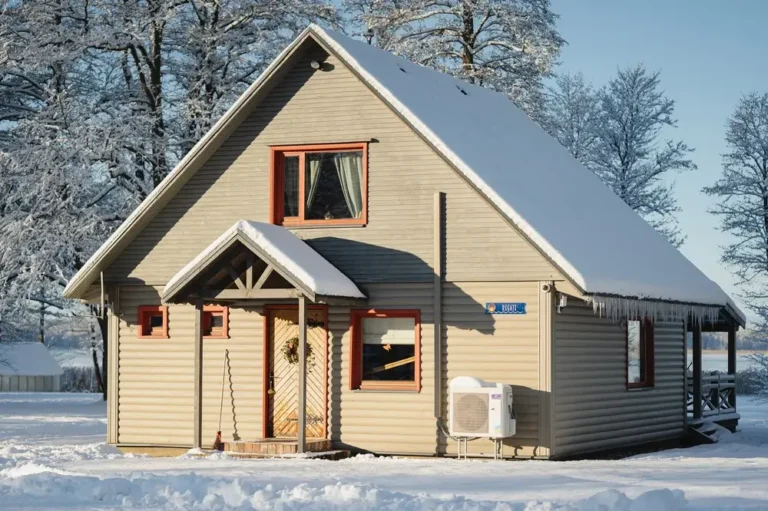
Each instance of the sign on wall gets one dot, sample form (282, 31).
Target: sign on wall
(505, 308)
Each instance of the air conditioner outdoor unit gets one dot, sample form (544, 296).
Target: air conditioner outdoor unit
(480, 409)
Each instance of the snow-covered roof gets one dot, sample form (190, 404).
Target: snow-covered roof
(287, 252)
(601, 245)
(563, 208)
(27, 359)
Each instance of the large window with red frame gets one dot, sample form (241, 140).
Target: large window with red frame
(319, 184)
(386, 350)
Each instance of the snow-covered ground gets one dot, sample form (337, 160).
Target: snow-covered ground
(52, 456)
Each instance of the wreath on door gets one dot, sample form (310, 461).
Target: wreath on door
(291, 351)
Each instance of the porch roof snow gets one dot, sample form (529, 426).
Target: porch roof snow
(288, 251)
(563, 208)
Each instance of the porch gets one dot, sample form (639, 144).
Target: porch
(266, 267)
(711, 397)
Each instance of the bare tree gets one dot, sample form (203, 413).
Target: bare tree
(742, 191)
(629, 156)
(505, 45)
(572, 115)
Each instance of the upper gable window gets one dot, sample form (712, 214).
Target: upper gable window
(320, 184)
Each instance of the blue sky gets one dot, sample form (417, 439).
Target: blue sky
(709, 53)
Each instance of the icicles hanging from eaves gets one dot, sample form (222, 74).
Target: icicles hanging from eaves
(617, 308)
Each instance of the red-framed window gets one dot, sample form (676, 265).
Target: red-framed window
(386, 350)
(640, 353)
(323, 184)
(153, 322)
(215, 322)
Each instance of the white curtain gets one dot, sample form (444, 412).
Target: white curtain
(314, 162)
(349, 166)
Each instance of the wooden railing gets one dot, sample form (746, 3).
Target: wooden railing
(717, 395)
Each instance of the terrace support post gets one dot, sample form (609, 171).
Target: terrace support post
(198, 380)
(697, 370)
(732, 361)
(302, 415)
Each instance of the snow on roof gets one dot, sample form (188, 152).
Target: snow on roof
(27, 359)
(578, 222)
(288, 251)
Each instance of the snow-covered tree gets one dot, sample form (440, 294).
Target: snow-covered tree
(98, 101)
(742, 191)
(630, 156)
(223, 45)
(572, 114)
(506, 45)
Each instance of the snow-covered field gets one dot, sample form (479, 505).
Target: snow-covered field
(52, 456)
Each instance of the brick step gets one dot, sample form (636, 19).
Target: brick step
(275, 446)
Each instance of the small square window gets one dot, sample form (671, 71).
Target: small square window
(386, 350)
(215, 322)
(153, 321)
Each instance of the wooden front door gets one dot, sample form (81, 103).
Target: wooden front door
(283, 380)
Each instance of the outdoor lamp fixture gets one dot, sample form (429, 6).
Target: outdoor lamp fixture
(369, 35)
(315, 65)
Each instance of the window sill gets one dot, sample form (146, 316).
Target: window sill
(388, 388)
(381, 390)
(640, 388)
(153, 337)
(322, 226)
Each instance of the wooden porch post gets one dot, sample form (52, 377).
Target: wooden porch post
(197, 428)
(302, 419)
(732, 361)
(697, 370)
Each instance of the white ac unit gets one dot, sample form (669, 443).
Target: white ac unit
(480, 409)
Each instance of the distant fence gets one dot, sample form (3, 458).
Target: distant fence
(79, 379)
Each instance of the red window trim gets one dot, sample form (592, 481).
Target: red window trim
(647, 333)
(276, 155)
(356, 353)
(210, 310)
(145, 312)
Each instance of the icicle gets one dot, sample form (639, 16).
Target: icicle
(617, 308)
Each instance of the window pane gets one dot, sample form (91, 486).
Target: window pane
(156, 321)
(217, 320)
(635, 352)
(333, 185)
(291, 186)
(389, 362)
(389, 350)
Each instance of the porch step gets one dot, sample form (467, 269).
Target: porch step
(275, 446)
(699, 433)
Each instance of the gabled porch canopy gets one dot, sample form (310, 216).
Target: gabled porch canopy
(258, 261)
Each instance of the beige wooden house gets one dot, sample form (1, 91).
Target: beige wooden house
(383, 214)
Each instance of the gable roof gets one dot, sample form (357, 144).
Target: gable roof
(27, 359)
(290, 256)
(591, 235)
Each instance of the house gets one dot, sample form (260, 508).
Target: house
(28, 367)
(377, 211)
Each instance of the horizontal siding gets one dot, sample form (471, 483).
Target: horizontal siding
(240, 403)
(404, 174)
(497, 348)
(383, 422)
(593, 408)
(156, 376)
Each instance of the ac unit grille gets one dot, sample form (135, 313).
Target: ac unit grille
(470, 413)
